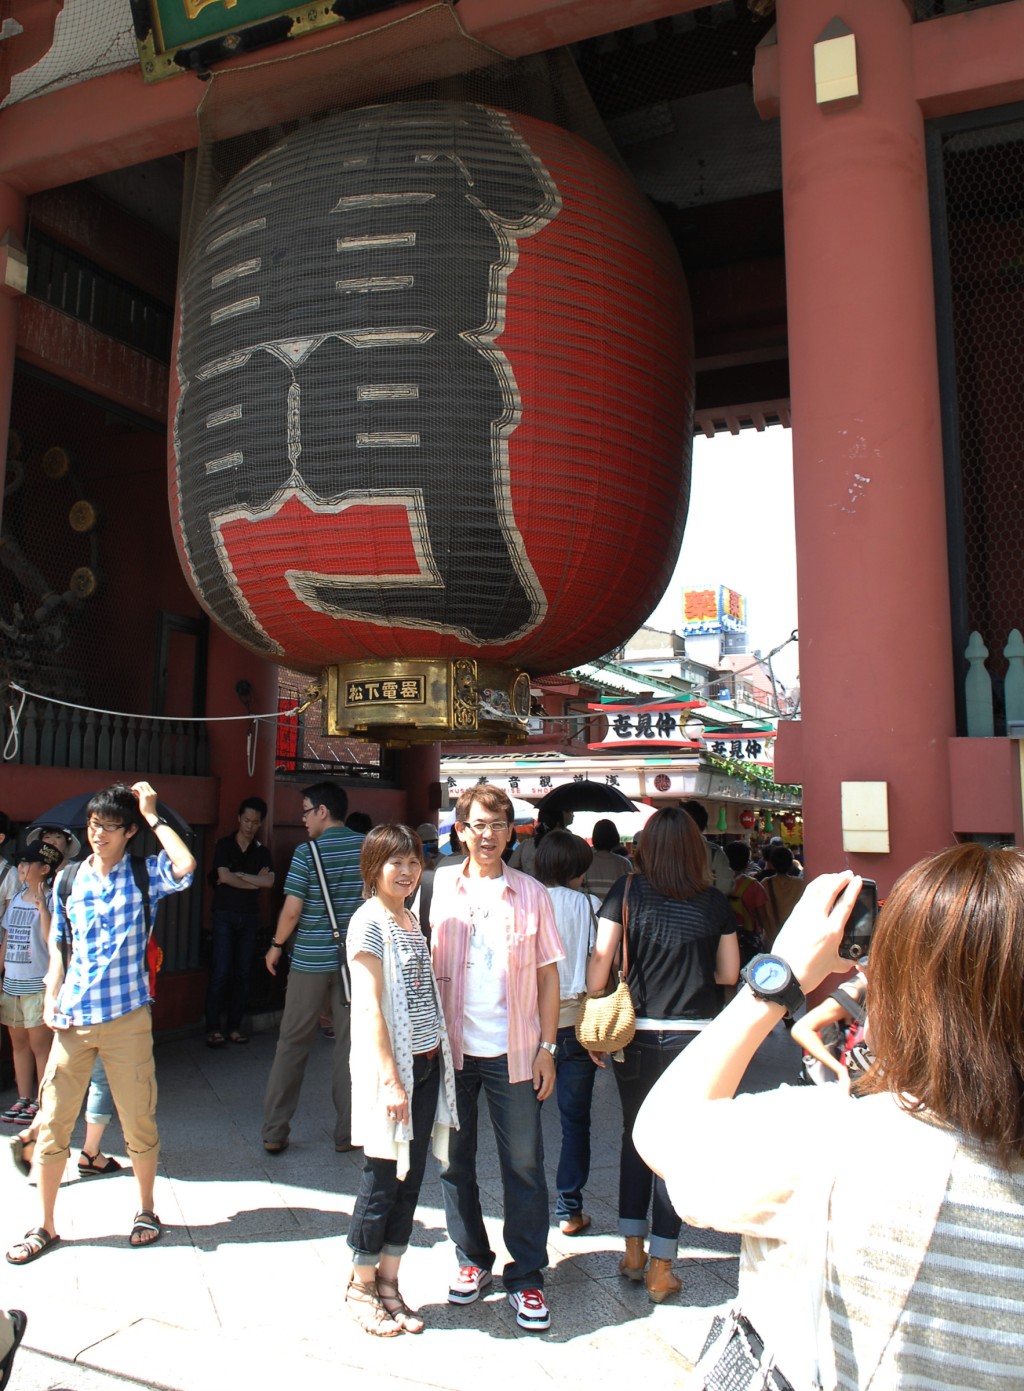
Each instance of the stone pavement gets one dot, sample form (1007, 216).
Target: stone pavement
(246, 1287)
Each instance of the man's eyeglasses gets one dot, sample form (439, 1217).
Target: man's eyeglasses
(95, 825)
(307, 811)
(480, 828)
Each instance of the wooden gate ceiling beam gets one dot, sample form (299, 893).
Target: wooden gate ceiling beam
(117, 120)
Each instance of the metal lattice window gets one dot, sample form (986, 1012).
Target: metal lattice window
(977, 177)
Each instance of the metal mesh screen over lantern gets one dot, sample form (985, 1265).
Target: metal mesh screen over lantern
(434, 380)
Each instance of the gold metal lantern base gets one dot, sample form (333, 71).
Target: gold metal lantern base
(397, 703)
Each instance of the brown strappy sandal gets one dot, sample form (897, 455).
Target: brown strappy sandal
(391, 1298)
(364, 1304)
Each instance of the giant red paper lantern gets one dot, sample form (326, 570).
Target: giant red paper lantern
(434, 394)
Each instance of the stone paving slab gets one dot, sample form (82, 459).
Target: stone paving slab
(250, 1276)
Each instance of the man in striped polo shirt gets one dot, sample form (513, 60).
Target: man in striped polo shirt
(314, 978)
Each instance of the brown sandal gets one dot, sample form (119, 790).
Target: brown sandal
(364, 1304)
(391, 1298)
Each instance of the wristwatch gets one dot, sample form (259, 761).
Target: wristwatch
(160, 821)
(551, 1048)
(770, 979)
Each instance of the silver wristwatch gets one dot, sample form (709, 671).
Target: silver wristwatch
(551, 1048)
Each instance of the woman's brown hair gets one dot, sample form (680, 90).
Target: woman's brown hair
(382, 844)
(946, 994)
(673, 855)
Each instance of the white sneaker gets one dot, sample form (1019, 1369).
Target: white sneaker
(468, 1285)
(531, 1310)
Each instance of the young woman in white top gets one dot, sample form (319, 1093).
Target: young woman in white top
(907, 1203)
(403, 1089)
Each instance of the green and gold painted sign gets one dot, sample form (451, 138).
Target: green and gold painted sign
(166, 28)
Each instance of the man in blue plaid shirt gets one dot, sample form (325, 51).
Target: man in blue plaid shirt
(103, 1004)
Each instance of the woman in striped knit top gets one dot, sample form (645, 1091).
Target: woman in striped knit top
(910, 1199)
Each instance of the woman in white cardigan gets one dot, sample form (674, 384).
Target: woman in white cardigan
(883, 1235)
(403, 1091)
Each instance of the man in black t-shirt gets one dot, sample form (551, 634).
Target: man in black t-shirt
(241, 867)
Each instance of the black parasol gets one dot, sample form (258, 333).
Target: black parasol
(71, 813)
(582, 796)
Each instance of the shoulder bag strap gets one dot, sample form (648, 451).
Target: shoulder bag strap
(65, 882)
(346, 986)
(624, 968)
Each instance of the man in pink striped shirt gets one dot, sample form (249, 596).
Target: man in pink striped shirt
(495, 946)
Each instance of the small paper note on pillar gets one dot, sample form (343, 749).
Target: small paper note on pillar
(865, 812)
(835, 66)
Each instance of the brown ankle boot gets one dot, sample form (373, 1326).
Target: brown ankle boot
(660, 1280)
(633, 1262)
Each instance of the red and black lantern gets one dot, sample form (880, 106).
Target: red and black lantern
(434, 396)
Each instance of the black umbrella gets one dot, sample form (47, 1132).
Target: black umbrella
(582, 796)
(71, 813)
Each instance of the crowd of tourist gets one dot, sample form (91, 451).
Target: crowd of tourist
(470, 980)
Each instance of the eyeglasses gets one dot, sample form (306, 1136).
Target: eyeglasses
(480, 828)
(95, 825)
(307, 811)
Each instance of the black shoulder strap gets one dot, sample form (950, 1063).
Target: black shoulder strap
(65, 881)
(848, 1003)
(140, 873)
(426, 895)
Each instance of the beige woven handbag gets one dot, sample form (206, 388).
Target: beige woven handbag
(608, 1022)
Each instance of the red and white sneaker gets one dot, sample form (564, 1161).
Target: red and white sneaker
(531, 1309)
(468, 1285)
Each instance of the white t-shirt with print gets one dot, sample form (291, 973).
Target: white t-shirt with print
(485, 1028)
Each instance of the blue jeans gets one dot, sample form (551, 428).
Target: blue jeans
(645, 1059)
(234, 941)
(385, 1204)
(515, 1118)
(574, 1092)
(99, 1106)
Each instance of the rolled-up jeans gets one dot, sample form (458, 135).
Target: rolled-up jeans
(644, 1061)
(385, 1207)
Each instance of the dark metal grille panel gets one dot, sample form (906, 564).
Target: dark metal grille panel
(978, 195)
(84, 290)
(939, 9)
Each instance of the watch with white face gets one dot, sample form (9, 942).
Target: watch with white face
(771, 980)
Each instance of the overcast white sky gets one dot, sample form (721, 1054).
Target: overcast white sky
(740, 533)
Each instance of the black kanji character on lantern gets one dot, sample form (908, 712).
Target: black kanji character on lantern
(644, 725)
(622, 725)
(753, 748)
(718, 747)
(339, 346)
(666, 724)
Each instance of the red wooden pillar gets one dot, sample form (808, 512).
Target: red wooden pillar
(875, 655)
(12, 221)
(420, 774)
